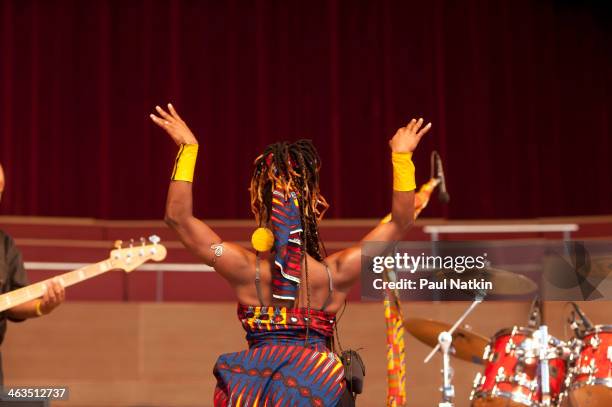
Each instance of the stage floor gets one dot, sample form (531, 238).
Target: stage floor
(148, 354)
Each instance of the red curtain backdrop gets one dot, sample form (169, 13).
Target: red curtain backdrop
(518, 92)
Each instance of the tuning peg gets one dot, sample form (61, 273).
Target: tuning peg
(131, 243)
(154, 239)
(141, 251)
(118, 244)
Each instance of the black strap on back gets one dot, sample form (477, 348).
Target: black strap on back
(258, 282)
(331, 288)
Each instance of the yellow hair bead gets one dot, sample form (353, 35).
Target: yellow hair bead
(262, 239)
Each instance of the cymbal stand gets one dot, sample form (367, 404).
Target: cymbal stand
(445, 340)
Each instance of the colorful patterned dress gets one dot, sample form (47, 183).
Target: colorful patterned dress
(278, 370)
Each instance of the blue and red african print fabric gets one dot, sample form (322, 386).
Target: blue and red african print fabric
(278, 370)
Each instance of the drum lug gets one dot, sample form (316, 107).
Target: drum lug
(595, 341)
(475, 385)
(477, 379)
(562, 397)
(486, 353)
(509, 346)
(591, 380)
(592, 368)
(574, 350)
(472, 394)
(568, 378)
(523, 381)
(500, 377)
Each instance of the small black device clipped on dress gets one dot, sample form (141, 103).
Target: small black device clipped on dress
(354, 370)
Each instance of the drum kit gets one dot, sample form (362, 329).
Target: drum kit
(525, 366)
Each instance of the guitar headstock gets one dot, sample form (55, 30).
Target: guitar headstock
(134, 256)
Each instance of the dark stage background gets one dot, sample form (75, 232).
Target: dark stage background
(518, 91)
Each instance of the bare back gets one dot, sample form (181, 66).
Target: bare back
(323, 293)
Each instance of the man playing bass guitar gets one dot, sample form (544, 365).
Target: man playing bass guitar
(12, 277)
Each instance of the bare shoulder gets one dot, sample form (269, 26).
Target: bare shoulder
(233, 262)
(345, 266)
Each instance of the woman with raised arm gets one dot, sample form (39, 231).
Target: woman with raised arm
(288, 291)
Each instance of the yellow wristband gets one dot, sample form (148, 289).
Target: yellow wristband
(184, 166)
(403, 172)
(38, 310)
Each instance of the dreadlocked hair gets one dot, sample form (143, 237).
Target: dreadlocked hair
(292, 166)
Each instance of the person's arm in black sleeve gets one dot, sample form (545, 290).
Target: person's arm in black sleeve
(17, 278)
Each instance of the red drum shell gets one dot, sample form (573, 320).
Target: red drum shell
(591, 377)
(510, 380)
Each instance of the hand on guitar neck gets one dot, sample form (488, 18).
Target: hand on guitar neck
(43, 297)
(54, 295)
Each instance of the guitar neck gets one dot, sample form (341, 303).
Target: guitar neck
(25, 294)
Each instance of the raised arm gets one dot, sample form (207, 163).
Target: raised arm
(404, 142)
(229, 260)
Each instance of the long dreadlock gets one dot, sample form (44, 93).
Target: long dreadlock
(292, 166)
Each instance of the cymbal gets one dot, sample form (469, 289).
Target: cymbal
(466, 345)
(504, 282)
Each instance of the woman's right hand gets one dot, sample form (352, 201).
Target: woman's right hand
(406, 139)
(174, 125)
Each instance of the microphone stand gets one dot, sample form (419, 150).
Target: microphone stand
(445, 340)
